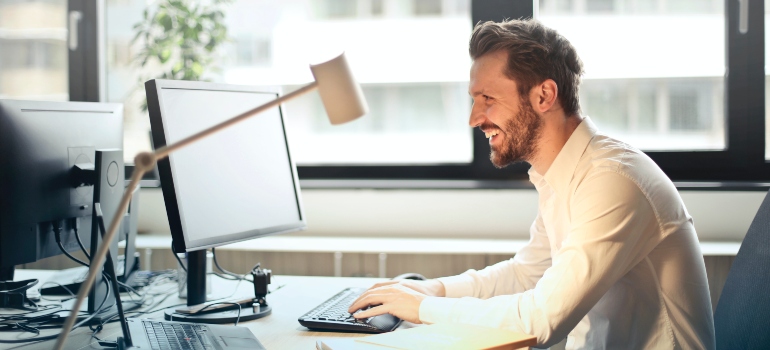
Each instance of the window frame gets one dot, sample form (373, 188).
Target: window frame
(741, 165)
(87, 84)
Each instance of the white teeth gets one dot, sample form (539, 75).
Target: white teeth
(491, 133)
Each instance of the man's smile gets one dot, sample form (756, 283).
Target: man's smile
(492, 134)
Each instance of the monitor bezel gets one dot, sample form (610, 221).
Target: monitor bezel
(155, 106)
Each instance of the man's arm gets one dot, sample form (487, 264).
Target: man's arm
(511, 276)
(506, 277)
(610, 233)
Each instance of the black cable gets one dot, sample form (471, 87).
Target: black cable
(148, 291)
(131, 290)
(177, 258)
(105, 278)
(57, 235)
(54, 336)
(72, 295)
(27, 328)
(80, 243)
(99, 309)
(238, 318)
(216, 263)
(22, 316)
(226, 277)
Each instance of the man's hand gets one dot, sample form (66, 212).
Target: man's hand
(398, 298)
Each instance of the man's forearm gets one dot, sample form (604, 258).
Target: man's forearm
(435, 288)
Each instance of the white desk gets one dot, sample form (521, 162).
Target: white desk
(280, 330)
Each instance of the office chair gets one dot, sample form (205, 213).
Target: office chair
(742, 317)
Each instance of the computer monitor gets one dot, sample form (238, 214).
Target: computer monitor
(236, 185)
(40, 143)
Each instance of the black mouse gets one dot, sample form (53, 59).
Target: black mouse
(410, 276)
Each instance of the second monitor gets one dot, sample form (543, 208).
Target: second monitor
(236, 185)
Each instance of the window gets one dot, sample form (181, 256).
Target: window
(664, 66)
(410, 57)
(767, 79)
(656, 76)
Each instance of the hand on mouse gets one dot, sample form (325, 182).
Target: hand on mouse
(391, 298)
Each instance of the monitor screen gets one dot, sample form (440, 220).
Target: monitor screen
(237, 184)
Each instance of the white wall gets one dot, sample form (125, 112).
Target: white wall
(719, 216)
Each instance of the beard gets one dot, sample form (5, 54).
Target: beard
(521, 133)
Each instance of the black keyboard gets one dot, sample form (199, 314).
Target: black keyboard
(168, 336)
(333, 315)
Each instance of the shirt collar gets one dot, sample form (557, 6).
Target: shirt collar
(560, 172)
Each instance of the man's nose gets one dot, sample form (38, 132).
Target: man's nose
(477, 116)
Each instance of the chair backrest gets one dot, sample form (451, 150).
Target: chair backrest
(742, 317)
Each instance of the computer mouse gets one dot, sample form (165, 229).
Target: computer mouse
(410, 276)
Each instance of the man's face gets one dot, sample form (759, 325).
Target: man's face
(508, 119)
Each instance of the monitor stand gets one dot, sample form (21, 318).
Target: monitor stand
(196, 294)
(7, 272)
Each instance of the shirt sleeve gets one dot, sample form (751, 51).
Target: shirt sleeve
(511, 276)
(613, 227)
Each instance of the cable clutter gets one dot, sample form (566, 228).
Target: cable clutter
(23, 315)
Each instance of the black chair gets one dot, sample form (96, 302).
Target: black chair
(742, 317)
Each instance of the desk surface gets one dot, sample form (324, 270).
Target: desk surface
(280, 330)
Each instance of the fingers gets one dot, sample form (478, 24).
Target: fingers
(366, 299)
(374, 287)
(394, 299)
(377, 310)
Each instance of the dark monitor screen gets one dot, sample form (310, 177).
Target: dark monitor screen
(39, 144)
(238, 184)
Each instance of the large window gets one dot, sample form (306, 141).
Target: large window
(683, 80)
(409, 56)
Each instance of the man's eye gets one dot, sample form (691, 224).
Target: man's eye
(486, 98)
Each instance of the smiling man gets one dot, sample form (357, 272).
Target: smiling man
(613, 260)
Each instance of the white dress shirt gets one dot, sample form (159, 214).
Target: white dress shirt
(613, 261)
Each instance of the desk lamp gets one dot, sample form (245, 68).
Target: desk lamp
(341, 96)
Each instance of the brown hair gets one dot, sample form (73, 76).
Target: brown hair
(535, 53)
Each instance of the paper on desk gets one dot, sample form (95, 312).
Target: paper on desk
(451, 336)
(347, 344)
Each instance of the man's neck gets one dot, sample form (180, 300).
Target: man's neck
(556, 131)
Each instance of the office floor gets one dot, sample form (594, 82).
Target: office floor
(367, 265)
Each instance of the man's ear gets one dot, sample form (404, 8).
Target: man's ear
(544, 96)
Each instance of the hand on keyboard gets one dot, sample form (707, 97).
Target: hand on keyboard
(333, 315)
(389, 298)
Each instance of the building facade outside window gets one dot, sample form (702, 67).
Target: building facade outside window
(33, 50)
(654, 69)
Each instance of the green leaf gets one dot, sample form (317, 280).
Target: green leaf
(164, 55)
(197, 68)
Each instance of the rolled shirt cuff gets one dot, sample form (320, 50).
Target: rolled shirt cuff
(457, 286)
(436, 309)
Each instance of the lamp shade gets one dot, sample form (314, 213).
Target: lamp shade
(340, 93)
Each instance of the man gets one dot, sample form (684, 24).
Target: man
(613, 260)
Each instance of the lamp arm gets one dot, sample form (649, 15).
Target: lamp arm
(144, 162)
(164, 151)
(98, 260)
